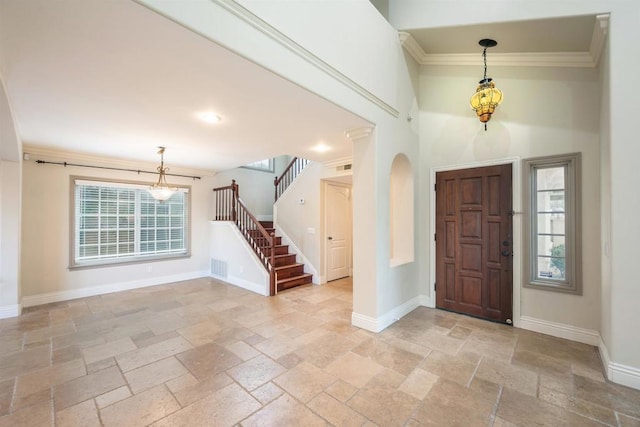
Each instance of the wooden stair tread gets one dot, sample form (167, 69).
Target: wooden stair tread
(282, 267)
(292, 282)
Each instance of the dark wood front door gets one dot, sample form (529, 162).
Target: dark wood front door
(474, 242)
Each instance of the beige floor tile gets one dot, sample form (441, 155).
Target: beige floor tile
(455, 368)
(384, 405)
(511, 376)
(525, 410)
(66, 354)
(267, 393)
(277, 346)
(141, 409)
(112, 397)
(243, 350)
(304, 381)
(284, 411)
(37, 415)
(201, 389)
(541, 363)
(43, 335)
(451, 404)
(208, 359)
(225, 407)
(181, 382)
(143, 356)
(100, 365)
(22, 402)
(107, 350)
(418, 383)
(341, 390)
(588, 372)
(86, 387)
(83, 414)
(255, 372)
(387, 355)
(593, 411)
(354, 369)
(155, 373)
(626, 421)
(200, 333)
(52, 375)
(334, 411)
(26, 361)
(301, 347)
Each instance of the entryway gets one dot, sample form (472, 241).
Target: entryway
(474, 242)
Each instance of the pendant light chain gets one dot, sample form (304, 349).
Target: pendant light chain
(484, 57)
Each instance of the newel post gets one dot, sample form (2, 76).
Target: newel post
(234, 191)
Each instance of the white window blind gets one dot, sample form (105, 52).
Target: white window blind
(121, 222)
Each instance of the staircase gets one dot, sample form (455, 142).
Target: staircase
(284, 270)
(289, 273)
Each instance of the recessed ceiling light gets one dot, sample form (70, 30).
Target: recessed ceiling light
(321, 148)
(209, 117)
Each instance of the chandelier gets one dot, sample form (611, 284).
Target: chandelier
(487, 96)
(161, 191)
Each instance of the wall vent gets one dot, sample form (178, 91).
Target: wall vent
(219, 268)
(344, 167)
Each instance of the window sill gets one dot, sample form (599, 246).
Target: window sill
(122, 262)
(554, 287)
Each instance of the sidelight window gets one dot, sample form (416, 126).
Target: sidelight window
(552, 217)
(116, 222)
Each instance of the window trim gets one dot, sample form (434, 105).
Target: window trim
(116, 262)
(573, 223)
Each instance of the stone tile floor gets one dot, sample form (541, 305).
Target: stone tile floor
(201, 352)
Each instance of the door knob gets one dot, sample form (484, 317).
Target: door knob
(506, 253)
(329, 238)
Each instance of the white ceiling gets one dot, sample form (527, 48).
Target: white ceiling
(570, 34)
(112, 78)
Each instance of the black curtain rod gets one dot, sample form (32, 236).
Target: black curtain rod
(65, 164)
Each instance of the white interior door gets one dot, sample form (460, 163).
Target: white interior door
(338, 230)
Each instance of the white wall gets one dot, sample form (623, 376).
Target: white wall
(243, 268)
(10, 209)
(525, 125)
(46, 237)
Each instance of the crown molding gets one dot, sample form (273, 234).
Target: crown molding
(338, 162)
(588, 59)
(600, 31)
(359, 133)
(51, 154)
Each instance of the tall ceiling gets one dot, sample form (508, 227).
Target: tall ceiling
(113, 78)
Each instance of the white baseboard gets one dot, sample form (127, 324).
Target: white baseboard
(560, 330)
(617, 372)
(245, 284)
(378, 324)
(31, 300)
(10, 311)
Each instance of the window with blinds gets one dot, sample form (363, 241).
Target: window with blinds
(120, 222)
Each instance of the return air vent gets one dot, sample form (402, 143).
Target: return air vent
(344, 167)
(219, 268)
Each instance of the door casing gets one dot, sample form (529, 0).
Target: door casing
(325, 234)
